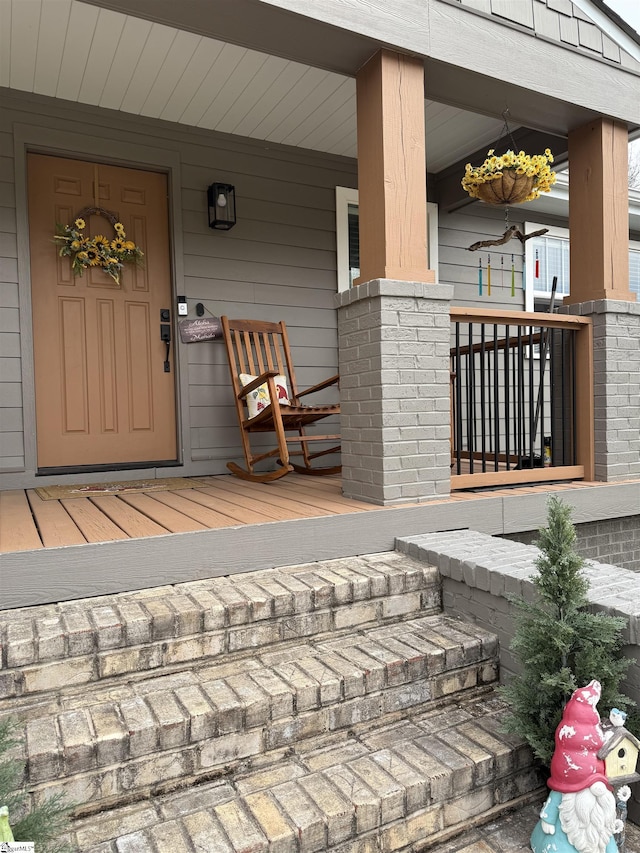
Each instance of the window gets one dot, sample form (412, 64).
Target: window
(548, 255)
(348, 247)
(634, 268)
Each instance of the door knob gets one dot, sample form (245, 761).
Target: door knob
(165, 335)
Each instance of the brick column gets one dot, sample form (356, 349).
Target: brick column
(616, 364)
(394, 340)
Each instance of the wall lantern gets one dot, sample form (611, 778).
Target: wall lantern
(222, 206)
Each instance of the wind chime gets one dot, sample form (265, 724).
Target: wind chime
(512, 178)
(488, 271)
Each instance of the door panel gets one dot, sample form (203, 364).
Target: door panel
(102, 395)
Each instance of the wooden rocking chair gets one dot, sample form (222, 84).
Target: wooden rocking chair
(261, 373)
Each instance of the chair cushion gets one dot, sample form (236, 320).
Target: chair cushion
(259, 399)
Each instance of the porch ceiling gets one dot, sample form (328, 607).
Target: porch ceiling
(81, 52)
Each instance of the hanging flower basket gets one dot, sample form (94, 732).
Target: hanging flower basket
(507, 188)
(511, 178)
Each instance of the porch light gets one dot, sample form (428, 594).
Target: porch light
(222, 206)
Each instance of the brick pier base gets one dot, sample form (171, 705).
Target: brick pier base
(616, 364)
(394, 339)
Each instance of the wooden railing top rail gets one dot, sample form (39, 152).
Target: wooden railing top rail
(496, 316)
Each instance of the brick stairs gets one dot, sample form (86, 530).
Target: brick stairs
(330, 706)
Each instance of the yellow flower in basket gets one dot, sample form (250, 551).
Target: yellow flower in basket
(509, 178)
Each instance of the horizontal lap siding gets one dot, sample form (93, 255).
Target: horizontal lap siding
(278, 263)
(459, 267)
(11, 437)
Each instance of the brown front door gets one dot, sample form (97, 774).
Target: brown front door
(103, 396)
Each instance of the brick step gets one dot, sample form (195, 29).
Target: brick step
(79, 642)
(129, 738)
(376, 787)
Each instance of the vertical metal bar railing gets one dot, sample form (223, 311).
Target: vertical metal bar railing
(563, 375)
(471, 399)
(483, 402)
(458, 404)
(496, 401)
(457, 408)
(531, 407)
(574, 406)
(553, 415)
(542, 391)
(519, 378)
(507, 401)
(508, 417)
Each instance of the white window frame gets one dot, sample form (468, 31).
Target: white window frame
(634, 246)
(531, 294)
(346, 196)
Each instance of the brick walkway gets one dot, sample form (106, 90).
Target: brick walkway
(510, 834)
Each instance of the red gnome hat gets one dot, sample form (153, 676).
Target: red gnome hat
(575, 764)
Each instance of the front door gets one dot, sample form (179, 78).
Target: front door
(104, 379)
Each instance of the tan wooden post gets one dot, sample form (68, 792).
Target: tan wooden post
(392, 169)
(599, 212)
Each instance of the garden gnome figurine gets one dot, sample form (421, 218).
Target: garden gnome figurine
(579, 815)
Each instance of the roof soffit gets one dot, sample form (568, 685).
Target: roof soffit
(340, 37)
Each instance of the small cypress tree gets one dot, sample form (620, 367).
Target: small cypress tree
(42, 824)
(559, 643)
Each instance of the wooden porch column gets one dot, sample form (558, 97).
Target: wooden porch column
(599, 212)
(599, 247)
(392, 169)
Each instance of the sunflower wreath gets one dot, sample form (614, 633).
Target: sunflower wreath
(109, 254)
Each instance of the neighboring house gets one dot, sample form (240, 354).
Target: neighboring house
(137, 106)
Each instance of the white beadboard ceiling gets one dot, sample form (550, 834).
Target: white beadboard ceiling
(78, 52)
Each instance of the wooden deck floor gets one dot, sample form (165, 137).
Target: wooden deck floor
(27, 522)
(56, 550)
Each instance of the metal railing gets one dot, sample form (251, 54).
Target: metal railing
(521, 397)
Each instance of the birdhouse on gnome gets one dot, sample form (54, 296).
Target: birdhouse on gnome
(619, 751)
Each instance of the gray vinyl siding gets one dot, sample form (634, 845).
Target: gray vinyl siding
(560, 21)
(11, 437)
(459, 267)
(278, 263)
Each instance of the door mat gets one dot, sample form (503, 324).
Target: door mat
(48, 493)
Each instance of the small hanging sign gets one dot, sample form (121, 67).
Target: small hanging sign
(201, 329)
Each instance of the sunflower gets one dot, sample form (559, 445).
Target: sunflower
(536, 167)
(98, 251)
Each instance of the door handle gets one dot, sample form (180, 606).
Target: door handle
(165, 335)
